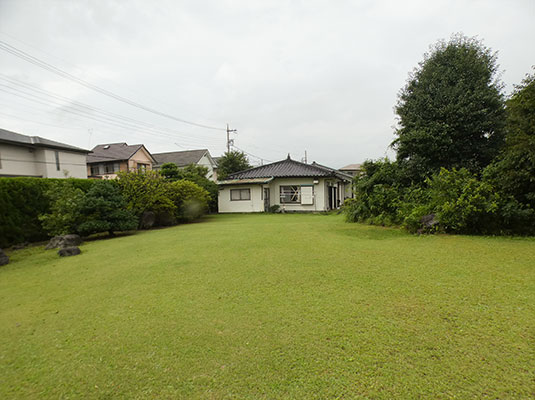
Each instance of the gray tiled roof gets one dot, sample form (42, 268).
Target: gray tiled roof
(112, 152)
(180, 158)
(285, 168)
(36, 141)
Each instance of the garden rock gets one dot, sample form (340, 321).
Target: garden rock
(148, 218)
(69, 251)
(20, 246)
(3, 258)
(429, 221)
(63, 241)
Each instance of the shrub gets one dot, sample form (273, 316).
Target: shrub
(145, 191)
(103, 209)
(65, 202)
(196, 174)
(378, 194)
(275, 208)
(22, 200)
(190, 200)
(463, 203)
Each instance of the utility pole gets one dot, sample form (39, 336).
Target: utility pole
(230, 141)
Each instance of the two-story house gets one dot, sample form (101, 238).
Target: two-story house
(22, 155)
(106, 160)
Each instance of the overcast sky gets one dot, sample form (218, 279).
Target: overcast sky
(290, 76)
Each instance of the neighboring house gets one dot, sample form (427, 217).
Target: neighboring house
(22, 155)
(184, 158)
(106, 160)
(292, 185)
(352, 169)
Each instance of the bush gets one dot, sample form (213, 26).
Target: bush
(22, 200)
(145, 191)
(378, 194)
(189, 199)
(65, 202)
(103, 209)
(196, 174)
(462, 203)
(275, 208)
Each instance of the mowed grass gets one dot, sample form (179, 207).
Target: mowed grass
(271, 306)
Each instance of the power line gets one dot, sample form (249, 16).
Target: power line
(79, 105)
(56, 126)
(83, 72)
(51, 68)
(85, 114)
(252, 155)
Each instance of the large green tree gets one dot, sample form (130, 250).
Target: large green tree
(514, 171)
(233, 161)
(451, 111)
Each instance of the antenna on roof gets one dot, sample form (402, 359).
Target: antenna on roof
(288, 158)
(304, 159)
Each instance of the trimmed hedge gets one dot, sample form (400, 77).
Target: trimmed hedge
(22, 200)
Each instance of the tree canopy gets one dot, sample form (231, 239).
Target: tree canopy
(233, 161)
(451, 111)
(514, 171)
(193, 173)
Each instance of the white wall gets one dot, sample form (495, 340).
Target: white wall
(18, 160)
(319, 193)
(71, 165)
(41, 162)
(256, 204)
(206, 162)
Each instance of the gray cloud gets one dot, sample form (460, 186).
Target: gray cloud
(290, 76)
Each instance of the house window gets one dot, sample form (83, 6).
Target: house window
(290, 194)
(56, 153)
(112, 168)
(142, 167)
(240, 194)
(95, 169)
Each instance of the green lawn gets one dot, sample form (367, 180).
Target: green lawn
(271, 306)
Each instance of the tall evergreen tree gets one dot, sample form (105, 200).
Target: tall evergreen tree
(451, 111)
(230, 162)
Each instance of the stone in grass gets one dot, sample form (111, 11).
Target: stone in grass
(63, 241)
(69, 251)
(3, 258)
(428, 221)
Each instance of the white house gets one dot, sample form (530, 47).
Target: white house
(184, 158)
(22, 155)
(292, 185)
